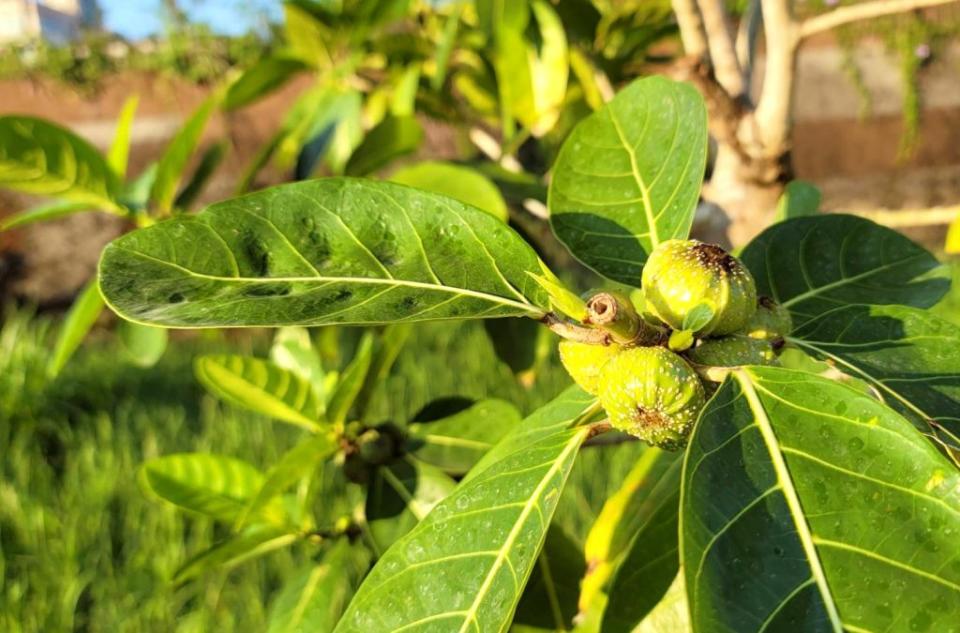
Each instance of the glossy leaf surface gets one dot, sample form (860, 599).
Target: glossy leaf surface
(629, 175)
(463, 568)
(808, 506)
(321, 252)
(814, 264)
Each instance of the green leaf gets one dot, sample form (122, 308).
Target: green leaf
(911, 357)
(41, 158)
(305, 36)
(629, 175)
(698, 317)
(812, 265)
(144, 344)
(390, 139)
(261, 386)
(261, 79)
(799, 198)
(448, 39)
(296, 464)
(351, 382)
(254, 541)
(401, 495)
(388, 347)
(209, 161)
(457, 442)
(460, 183)
(313, 600)
(174, 160)
(680, 340)
(809, 506)
(562, 299)
(483, 539)
(322, 252)
(672, 614)
(293, 350)
(119, 152)
(42, 213)
(645, 543)
(212, 485)
(83, 314)
(404, 94)
(550, 68)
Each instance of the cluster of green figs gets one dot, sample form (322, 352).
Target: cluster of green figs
(654, 370)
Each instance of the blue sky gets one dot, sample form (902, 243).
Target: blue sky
(135, 19)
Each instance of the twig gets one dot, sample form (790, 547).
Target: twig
(575, 332)
(863, 11)
(722, 51)
(691, 28)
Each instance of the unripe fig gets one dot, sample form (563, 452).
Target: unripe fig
(653, 394)
(584, 361)
(733, 351)
(770, 321)
(683, 274)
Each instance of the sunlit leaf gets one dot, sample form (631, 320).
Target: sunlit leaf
(119, 152)
(264, 77)
(458, 182)
(322, 252)
(799, 198)
(351, 381)
(628, 177)
(390, 139)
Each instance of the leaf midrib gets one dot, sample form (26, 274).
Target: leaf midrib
(790, 495)
(529, 307)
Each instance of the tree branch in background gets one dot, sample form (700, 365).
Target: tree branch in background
(720, 42)
(746, 44)
(691, 28)
(864, 11)
(774, 108)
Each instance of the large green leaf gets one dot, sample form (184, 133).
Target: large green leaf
(808, 506)
(213, 485)
(42, 158)
(457, 442)
(261, 386)
(463, 568)
(321, 252)
(401, 494)
(460, 183)
(910, 356)
(174, 160)
(313, 600)
(83, 314)
(629, 176)
(815, 264)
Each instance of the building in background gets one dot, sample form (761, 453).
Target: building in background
(56, 21)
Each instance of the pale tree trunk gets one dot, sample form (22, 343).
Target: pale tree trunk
(752, 163)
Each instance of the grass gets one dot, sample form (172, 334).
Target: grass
(82, 548)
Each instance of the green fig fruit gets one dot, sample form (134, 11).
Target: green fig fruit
(770, 321)
(733, 351)
(682, 275)
(583, 362)
(653, 394)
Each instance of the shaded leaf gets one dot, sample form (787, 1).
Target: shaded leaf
(809, 506)
(174, 160)
(209, 161)
(388, 346)
(212, 485)
(42, 158)
(401, 494)
(390, 139)
(322, 252)
(483, 539)
(457, 442)
(814, 264)
(629, 175)
(261, 79)
(910, 356)
(549, 601)
(460, 183)
(83, 314)
(313, 600)
(261, 386)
